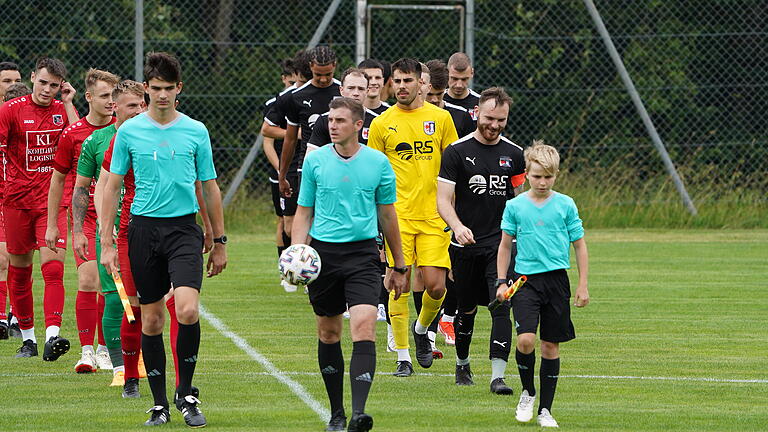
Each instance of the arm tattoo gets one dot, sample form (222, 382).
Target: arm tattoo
(80, 200)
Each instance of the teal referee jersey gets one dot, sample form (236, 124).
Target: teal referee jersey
(166, 161)
(544, 232)
(345, 193)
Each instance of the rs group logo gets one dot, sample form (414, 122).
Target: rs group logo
(477, 184)
(404, 150)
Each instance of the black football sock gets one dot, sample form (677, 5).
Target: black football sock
(417, 301)
(501, 333)
(331, 362)
(187, 346)
(361, 370)
(464, 334)
(280, 250)
(449, 303)
(550, 369)
(153, 351)
(525, 365)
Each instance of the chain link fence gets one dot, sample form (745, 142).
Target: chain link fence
(699, 66)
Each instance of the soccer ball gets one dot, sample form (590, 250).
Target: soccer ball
(299, 264)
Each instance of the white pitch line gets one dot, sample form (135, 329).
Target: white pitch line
(279, 375)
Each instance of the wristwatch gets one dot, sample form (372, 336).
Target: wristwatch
(401, 270)
(501, 281)
(222, 240)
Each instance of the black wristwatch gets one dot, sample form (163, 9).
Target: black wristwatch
(222, 240)
(401, 270)
(501, 281)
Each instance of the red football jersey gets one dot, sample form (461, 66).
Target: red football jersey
(30, 133)
(68, 152)
(128, 184)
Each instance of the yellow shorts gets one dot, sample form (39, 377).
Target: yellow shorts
(425, 242)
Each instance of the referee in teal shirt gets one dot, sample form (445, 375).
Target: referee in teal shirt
(344, 186)
(168, 152)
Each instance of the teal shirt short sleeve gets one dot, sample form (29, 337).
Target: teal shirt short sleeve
(573, 222)
(386, 193)
(121, 157)
(508, 222)
(204, 157)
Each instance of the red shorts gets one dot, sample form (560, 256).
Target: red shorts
(2, 225)
(125, 263)
(27, 229)
(89, 229)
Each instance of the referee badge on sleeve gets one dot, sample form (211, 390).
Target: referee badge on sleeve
(429, 127)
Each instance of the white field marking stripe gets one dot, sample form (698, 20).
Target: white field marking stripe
(279, 375)
(381, 374)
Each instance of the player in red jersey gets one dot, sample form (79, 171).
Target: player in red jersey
(11, 327)
(89, 305)
(30, 127)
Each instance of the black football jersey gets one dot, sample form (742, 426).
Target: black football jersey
(305, 106)
(468, 103)
(461, 119)
(274, 114)
(322, 136)
(485, 177)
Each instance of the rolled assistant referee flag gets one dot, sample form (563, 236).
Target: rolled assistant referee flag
(123, 297)
(508, 293)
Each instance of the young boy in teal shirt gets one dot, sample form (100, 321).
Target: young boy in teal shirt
(545, 223)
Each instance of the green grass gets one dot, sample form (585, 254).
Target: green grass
(677, 304)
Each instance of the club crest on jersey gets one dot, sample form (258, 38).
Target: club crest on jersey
(505, 162)
(58, 119)
(429, 127)
(365, 133)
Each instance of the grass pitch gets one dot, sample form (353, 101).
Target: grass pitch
(675, 339)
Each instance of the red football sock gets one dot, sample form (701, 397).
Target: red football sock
(20, 286)
(171, 305)
(3, 296)
(85, 314)
(53, 302)
(130, 339)
(100, 312)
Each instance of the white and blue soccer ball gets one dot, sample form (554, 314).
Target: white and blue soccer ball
(299, 264)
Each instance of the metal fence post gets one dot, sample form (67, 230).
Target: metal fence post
(469, 31)
(139, 42)
(627, 80)
(256, 147)
(360, 19)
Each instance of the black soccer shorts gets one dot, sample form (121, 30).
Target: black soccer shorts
(545, 296)
(474, 275)
(288, 204)
(165, 252)
(350, 275)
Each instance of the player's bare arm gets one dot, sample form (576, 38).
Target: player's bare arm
(447, 211)
(80, 200)
(55, 192)
(67, 97)
(286, 156)
(217, 260)
(582, 262)
(272, 131)
(271, 153)
(388, 219)
(301, 223)
(502, 263)
(108, 213)
(207, 227)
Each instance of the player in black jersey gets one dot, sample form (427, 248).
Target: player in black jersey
(460, 73)
(272, 148)
(304, 107)
(274, 127)
(354, 85)
(374, 70)
(478, 174)
(438, 82)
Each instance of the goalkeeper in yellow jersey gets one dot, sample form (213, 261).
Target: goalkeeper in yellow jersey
(413, 135)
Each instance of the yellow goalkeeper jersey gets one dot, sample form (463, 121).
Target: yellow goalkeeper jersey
(413, 141)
